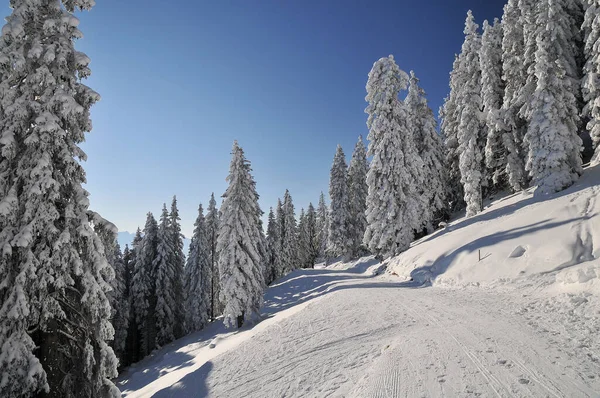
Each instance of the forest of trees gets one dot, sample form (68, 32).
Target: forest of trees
(524, 90)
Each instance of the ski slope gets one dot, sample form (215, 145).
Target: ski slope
(524, 321)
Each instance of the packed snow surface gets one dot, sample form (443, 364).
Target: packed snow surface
(503, 304)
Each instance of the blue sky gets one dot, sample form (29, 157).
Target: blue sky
(181, 80)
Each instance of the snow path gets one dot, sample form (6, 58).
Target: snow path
(346, 333)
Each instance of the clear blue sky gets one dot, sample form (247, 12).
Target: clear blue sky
(181, 80)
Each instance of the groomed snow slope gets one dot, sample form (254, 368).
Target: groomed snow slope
(522, 322)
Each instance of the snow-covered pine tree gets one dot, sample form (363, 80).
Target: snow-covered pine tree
(143, 290)
(357, 198)
(396, 169)
(289, 236)
(492, 93)
(120, 304)
(449, 115)
(431, 150)
(322, 226)
(178, 265)
(133, 335)
(273, 248)
(471, 132)
(164, 267)
(118, 298)
(54, 277)
(198, 277)
(554, 160)
(338, 243)
(241, 244)
(212, 228)
(280, 217)
(591, 80)
(514, 77)
(311, 236)
(302, 240)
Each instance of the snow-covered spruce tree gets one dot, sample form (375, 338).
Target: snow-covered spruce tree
(198, 277)
(431, 150)
(471, 132)
(133, 335)
(280, 218)
(273, 248)
(120, 305)
(322, 226)
(118, 298)
(553, 160)
(311, 236)
(357, 198)
(178, 265)
(396, 169)
(164, 267)
(591, 80)
(514, 77)
(289, 236)
(143, 290)
(302, 241)
(212, 230)
(449, 115)
(241, 244)
(492, 93)
(54, 312)
(338, 243)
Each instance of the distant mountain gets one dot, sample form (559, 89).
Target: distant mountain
(126, 237)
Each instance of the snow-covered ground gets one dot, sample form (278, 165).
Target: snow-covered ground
(506, 304)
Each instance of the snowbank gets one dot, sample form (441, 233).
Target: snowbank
(516, 238)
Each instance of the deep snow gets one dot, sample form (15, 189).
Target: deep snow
(523, 321)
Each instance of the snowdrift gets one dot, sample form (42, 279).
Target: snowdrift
(516, 238)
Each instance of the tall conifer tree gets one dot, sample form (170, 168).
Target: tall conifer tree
(54, 277)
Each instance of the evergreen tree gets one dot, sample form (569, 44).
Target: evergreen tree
(322, 226)
(143, 290)
(289, 236)
(164, 267)
(133, 334)
(302, 241)
(396, 169)
(357, 198)
(554, 160)
(120, 303)
(54, 277)
(198, 276)
(450, 119)
(310, 237)
(338, 243)
(178, 262)
(514, 77)
(431, 151)
(591, 80)
(241, 244)
(212, 228)
(492, 93)
(273, 247)
(471, 134)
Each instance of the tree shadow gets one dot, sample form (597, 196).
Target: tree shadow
(192, 385)
(167, 359)
(307, 284)
(439, 266)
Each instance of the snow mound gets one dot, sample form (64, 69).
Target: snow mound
(516, 238)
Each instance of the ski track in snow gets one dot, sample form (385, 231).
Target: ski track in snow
(375, 337)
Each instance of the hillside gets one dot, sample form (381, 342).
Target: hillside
(505, 304)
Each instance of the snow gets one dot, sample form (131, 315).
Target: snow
(521, 322)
